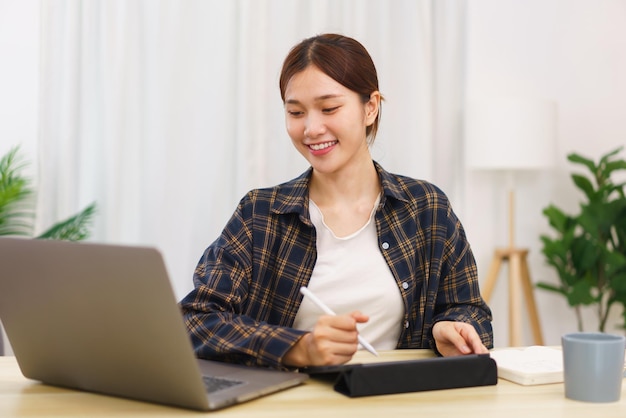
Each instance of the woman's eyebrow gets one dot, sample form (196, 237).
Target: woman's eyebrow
(317, 99)
(328, 96)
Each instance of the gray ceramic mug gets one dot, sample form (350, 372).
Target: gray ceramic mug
(593, 366)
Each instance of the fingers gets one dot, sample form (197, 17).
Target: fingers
(334, 339)
(359, 317)
(454, 337)
(457, 338)
(472, 339)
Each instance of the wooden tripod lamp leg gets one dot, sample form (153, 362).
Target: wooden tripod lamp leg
(515, 283)
(519, 285)
(492, 276)
(530, 302)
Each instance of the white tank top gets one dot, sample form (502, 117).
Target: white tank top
(351, 274)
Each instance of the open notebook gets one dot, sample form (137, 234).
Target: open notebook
(534, 365)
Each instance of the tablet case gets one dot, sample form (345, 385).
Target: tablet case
(411, 376)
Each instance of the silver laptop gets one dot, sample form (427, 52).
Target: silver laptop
(104, 318)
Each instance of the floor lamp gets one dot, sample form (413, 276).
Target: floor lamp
(508, 135)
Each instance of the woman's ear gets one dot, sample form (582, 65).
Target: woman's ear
(372, 107)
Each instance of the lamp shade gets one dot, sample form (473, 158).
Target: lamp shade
(510, 134)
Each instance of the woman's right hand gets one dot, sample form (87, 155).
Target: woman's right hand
(333, 340)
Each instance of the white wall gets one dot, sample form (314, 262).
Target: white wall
(572, 51)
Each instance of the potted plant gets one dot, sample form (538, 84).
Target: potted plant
(17, 209)
(588, 249)
(17, 206)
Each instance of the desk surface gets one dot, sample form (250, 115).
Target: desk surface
(20, 397)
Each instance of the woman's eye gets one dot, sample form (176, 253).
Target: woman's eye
(294, 113)
(330, 109)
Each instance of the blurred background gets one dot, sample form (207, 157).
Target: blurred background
(165, 113)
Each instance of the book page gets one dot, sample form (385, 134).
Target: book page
(531, 365)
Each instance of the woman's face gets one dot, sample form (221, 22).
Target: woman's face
(326, 121)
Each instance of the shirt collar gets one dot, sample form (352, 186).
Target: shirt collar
(293, 196)
(390, 184)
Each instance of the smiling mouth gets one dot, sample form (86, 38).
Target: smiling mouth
(324, 145)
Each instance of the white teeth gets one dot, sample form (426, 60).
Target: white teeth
(317, 147)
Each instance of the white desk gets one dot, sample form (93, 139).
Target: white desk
(20, 397)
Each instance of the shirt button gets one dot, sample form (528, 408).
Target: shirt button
(406, 324)
(405, 285)
(385, 245)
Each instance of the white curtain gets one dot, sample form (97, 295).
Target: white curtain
(166, 112)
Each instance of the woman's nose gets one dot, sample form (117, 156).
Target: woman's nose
(314, 126)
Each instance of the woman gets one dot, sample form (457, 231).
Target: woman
(385, 252)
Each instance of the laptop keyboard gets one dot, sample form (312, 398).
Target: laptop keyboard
(213, 384)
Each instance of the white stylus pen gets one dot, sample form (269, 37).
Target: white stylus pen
(328, 311)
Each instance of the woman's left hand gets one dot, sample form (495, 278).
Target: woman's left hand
(457, 338)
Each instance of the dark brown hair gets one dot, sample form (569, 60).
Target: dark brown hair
(341, 58)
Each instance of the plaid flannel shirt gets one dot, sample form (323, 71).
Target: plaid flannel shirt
(247, 283)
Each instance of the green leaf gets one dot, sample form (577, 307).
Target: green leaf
(580, 294)
(16, 197)
(579, 159)
(596, 220)
(614, 166)
(75, 228)
(552, 288)
(618, 283)
(606, 157)
(555, 252)
(556, 218)
(585, 185)
(584, 255)
(606, 166)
